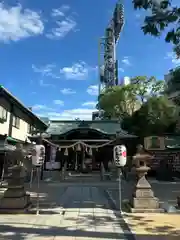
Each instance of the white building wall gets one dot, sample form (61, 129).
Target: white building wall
(4, 126)
(20, 133)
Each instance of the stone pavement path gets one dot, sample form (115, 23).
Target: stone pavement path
(85, 214)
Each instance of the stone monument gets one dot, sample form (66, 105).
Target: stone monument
(15, 199)
(143, 199)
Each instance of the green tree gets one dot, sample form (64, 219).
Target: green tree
(146, 87)
(155, 116)
(118, 101)
(164, 17)
(174, 83)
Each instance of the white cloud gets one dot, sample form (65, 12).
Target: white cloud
(62, 29)
(120, 69)
(78, 71)
(71, 114)
(126, 61)
(39, 107)
(89, 104)
(67, 91)
(126, 80)
(47, 70)
(44, 70)
(60, 12)
(42, 83)
(172, 57)
(63, 26)
(57, 13)
(17, 23)
(58, 102)
(93, 90)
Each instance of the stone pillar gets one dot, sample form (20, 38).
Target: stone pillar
(102, 171)
(15, 199)
(143, 199)
(143, 196)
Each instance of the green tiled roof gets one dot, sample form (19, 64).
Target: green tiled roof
(12, 140)
(105, 127)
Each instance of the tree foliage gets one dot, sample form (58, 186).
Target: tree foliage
(164, 17)
(119, 102)
(174, 83)
(155, 116)
(146, 87)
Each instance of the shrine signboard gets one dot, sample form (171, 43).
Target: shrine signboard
(154, 143)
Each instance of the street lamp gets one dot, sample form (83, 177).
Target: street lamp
(120, 159)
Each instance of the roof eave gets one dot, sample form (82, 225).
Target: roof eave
(16, 101)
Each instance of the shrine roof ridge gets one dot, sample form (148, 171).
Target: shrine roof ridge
(87, 121)
(108, 127)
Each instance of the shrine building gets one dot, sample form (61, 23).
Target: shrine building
(84, 145)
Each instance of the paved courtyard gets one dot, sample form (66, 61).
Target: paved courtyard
(83, 210)
(68, 211)
(165, 191)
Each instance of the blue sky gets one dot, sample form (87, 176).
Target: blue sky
(49, 53)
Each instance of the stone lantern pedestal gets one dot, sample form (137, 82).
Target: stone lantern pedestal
(15, 199)
(143, 199)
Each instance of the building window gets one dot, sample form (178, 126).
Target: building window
(16, 122)
(29, 129)
(3, 113)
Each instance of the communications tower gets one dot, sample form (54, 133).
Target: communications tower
(108, 64)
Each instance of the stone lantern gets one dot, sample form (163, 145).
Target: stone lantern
(15, 199)
(143, 199)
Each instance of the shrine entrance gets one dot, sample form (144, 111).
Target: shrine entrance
(82, 160)
(86, 150)
(84, 147)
